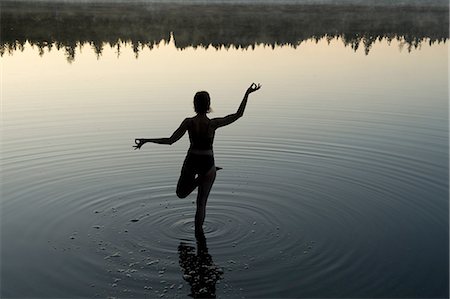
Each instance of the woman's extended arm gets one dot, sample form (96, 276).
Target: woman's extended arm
(224, 121)
(172, 139)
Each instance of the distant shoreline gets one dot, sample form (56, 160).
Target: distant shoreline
(374, 3)
(70, 24)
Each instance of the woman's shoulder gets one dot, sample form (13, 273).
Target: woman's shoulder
(188, 121)
(215, 122)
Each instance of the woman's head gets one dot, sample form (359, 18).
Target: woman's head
(202, 102)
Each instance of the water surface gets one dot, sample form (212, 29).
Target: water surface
(335, 181)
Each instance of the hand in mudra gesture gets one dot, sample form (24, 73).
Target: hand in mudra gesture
(253, 87)
(139, 143)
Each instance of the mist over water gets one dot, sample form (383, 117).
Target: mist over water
(334, 183)
(272, 2)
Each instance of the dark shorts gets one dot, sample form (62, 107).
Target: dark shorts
(197, 164)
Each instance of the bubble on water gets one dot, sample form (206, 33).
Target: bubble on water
(152, 262)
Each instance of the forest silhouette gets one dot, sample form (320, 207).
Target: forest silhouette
(68, 26)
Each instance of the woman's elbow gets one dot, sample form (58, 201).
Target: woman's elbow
(168, 141)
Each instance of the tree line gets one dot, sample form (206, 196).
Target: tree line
(67, 26)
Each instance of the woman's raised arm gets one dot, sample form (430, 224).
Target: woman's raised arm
(172, 139)
(224, 121)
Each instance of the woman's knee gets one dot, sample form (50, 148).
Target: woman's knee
(182, 193)
(184, 187)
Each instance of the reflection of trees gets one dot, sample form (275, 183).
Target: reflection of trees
(70, 25)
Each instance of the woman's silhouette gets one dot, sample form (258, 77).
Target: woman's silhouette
(199, 169)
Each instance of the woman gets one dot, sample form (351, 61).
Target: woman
(199, 169)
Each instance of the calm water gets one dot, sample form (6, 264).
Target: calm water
(335, 182)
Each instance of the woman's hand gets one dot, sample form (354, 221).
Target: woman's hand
(253, 88)
(139, 143)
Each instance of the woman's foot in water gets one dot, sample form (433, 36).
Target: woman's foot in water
(199, 233)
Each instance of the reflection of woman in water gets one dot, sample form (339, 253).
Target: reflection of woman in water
(199, 269)
(198, 168)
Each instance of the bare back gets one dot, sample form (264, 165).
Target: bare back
(201, 132)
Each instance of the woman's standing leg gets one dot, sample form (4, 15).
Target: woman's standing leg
(204, 187)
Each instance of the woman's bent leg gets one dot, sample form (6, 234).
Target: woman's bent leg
(204, 187)
(186, 184)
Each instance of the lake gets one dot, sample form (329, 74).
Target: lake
(335, 183)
